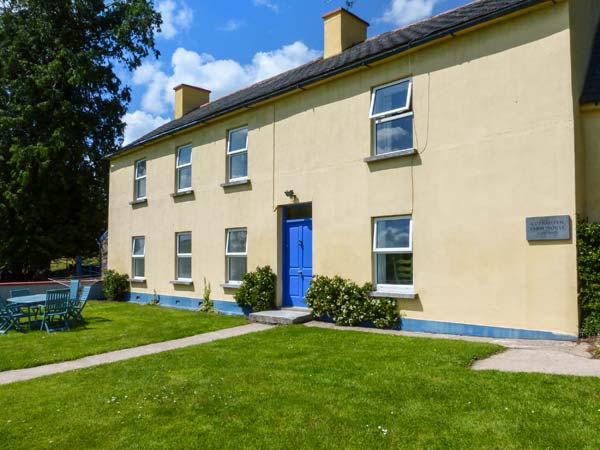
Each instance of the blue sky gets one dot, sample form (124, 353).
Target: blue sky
(226, 45)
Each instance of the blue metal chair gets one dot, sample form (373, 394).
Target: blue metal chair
(77, 305)
(10, 317)
(56, 311)
(73, 289)
(19, 293)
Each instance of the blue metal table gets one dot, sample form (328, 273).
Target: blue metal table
(29, 301)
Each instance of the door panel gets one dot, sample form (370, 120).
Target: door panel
(297, 259)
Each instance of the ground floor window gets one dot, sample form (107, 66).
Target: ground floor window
(393, 258)
(236, 252)
(138, 255)
(184, 256)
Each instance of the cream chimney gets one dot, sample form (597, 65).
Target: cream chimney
(188, 98)
(343, 30)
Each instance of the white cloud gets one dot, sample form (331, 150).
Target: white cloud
(140, 123)
(267, 3)
(176, 16)
(221, 76)
(231, 25)
(402, 12)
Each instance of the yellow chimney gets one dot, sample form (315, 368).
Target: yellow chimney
(343, 30)
(188, 98)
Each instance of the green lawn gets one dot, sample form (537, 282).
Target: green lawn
(109, 326)
(304, 388)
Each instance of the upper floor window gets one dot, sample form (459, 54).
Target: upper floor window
(138, 254)
(184, 168)
(236, 252)
(392, 248)
(237, 154)
(391, 111)
(184, 256)
(140, 179)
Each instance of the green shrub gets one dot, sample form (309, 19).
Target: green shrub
(349, 304)
(207, 305)
(590, 326)
(115, 285)
(258, 289)
(588, 270)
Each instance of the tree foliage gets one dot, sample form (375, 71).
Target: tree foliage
(61, 104)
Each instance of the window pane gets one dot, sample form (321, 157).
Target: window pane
(141, 188)
(238, 139)
(396, 134)
(138, 246)
(391, 98)
(395, 268)
(184, 178)
(237, 267)
(238, 165)
(184, 267)
(138, 267)
(299, 212)
(393, 233)
(141, 169)
(184, 155)
(184, 243)
(237, 241)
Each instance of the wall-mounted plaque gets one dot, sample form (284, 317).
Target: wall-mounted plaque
(549, 228)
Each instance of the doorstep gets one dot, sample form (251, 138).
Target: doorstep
(282, 316)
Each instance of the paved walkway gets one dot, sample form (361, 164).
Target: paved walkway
(522, 355)
(12, 376)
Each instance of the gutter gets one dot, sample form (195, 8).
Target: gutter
(363, 62)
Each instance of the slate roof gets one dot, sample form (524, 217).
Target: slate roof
(591, 90)
(373, 49)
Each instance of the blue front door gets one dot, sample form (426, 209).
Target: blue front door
(297, 261)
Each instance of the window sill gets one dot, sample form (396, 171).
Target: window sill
(236, 183)
(182, 193)
(391, 155)
(140, 202)
(181, 282)
(231, 285)
(408, 295)
(137, 280)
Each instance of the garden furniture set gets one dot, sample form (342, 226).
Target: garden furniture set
(51, 311)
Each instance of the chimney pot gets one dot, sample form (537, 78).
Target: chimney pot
(343, 30)
(188, 98)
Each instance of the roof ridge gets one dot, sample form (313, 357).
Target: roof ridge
(424, 19)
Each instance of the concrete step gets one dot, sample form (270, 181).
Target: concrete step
(282, 317)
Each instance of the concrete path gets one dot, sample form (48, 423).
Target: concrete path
(522, 355)
(12, 376)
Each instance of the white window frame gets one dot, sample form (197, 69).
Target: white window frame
(178, 167)
(396, 111)
(179, 255)
(138, 178)
(236, 152)
(134, 257)
(389, 119)
(229, 254)
(393, 288)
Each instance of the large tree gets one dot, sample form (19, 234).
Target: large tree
(61, 105)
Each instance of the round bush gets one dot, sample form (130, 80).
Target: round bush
(258, 289)
(115, 285)
(349, 304)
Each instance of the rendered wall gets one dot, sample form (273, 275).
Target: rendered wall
(496, 145)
